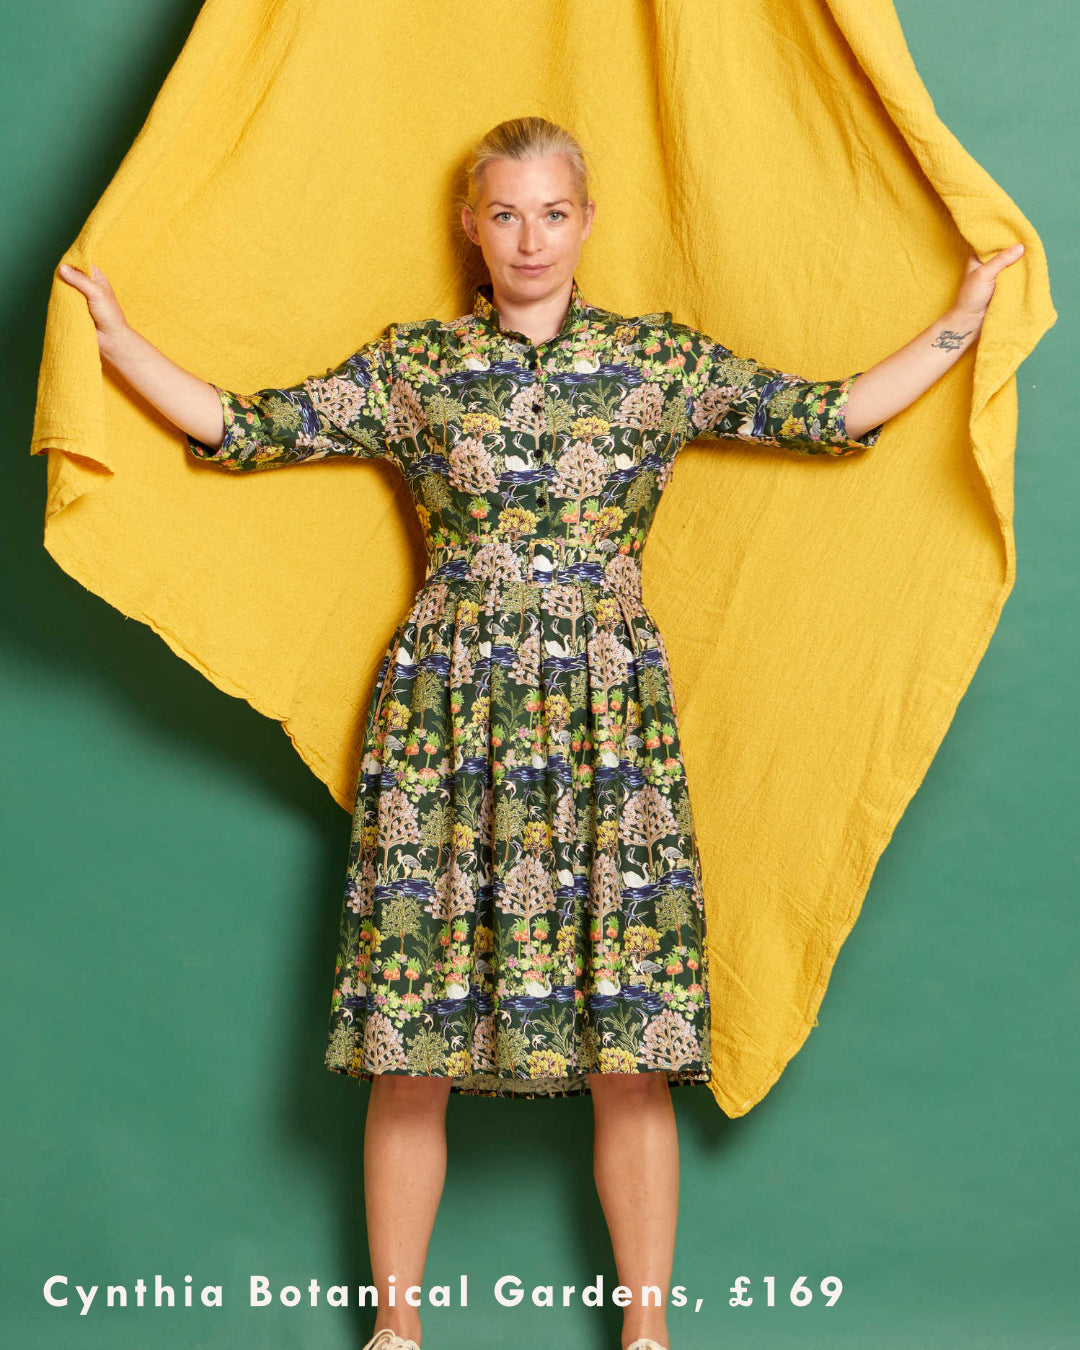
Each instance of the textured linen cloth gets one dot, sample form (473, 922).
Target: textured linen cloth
(773, 174)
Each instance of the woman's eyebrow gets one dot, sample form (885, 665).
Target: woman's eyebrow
(512, 207)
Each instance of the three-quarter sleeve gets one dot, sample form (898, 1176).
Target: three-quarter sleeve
(729, 395)
(344, 412)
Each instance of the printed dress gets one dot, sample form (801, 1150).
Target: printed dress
(523, 897)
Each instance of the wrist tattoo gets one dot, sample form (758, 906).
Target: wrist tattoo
(950, 340)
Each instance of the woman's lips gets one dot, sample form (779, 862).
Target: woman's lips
(531, 270)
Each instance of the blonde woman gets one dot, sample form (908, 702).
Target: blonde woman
(523, 913)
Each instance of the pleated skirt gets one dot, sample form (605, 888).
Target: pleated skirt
(523, 900)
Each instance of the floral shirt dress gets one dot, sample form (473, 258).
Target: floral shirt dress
(523, 896)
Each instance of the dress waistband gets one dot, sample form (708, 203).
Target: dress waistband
(535, 561)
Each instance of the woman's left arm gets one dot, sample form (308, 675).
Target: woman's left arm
(887, 388)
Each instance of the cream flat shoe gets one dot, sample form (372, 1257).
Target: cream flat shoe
(645, 1343)
(385, 1339)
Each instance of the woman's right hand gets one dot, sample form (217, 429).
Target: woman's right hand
(190, 403)
(102, 302)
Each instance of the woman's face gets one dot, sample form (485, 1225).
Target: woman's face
(529, 225)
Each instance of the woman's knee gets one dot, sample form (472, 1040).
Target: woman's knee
(628, 1087)
(410, 1089)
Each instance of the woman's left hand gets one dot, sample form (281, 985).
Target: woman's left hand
(899, 379)
(975, 291)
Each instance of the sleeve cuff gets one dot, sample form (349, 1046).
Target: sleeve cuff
(839, 419)
(226, 451)
(816, 423)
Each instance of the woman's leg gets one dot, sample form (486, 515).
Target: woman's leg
(636, 1167)
(404, 1171)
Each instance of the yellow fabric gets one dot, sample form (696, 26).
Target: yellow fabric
(775, 175)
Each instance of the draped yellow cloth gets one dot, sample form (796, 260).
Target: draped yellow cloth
(771, 171)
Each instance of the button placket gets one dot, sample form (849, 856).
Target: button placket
(541, 490)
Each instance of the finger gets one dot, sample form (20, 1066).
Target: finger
(993, 267)
(1005, 258)
(75, 278)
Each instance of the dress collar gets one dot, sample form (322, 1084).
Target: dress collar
(488, 316)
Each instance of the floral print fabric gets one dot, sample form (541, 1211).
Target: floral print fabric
(523, 899)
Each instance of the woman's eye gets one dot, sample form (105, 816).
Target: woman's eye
(500, 215)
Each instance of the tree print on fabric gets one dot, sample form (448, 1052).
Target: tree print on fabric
(523, 894)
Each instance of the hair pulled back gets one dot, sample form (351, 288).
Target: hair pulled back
(524, 138)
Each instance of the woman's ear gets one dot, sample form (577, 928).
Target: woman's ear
(468, 224)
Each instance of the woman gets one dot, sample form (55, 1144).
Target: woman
(523, 911)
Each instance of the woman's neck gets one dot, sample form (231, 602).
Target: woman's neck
(539, 320)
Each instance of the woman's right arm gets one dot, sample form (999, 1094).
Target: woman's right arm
(192, 404)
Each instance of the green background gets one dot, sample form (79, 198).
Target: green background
(172, 880)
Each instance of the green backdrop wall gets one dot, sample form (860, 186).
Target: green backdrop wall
(172, 878)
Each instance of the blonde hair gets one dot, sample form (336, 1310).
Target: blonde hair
(524, 138)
